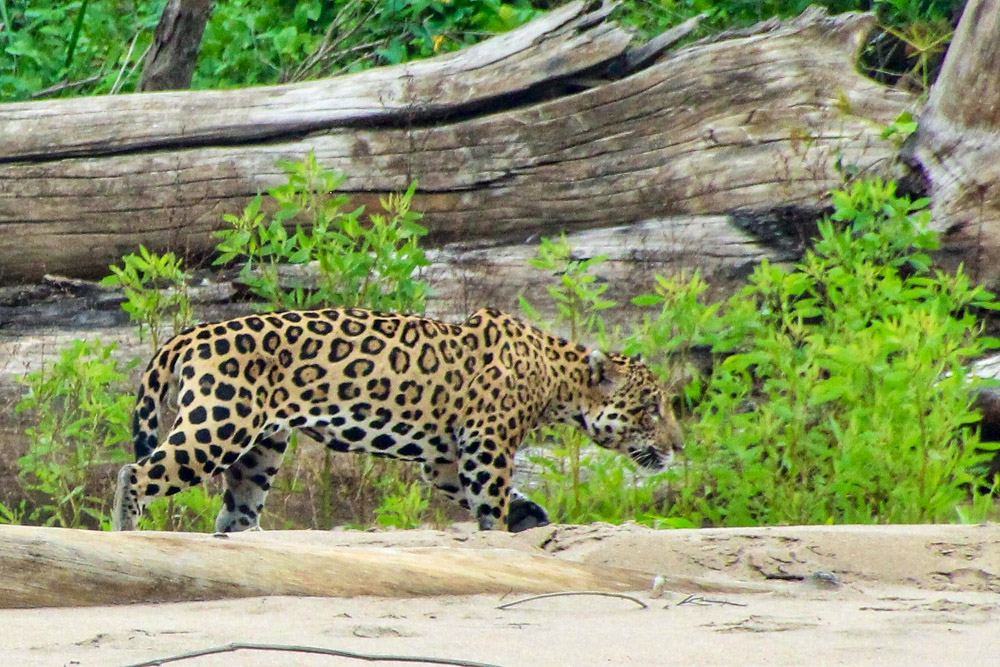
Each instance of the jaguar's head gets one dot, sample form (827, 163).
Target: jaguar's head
(628, 410)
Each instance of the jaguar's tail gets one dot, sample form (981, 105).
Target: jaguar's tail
(157, 380)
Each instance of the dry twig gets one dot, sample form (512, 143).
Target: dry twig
(63, 85)
(116, 86)
(369, 657)
(697, 599)
(562, 593)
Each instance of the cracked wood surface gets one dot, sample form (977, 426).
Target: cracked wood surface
(956, 147)
(504, 141)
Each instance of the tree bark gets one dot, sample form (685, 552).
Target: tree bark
(173, 54)
(957, 142)
(59, 567)
(536, 131)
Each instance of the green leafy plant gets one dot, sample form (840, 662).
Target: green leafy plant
(17, 515)
(356, 264)
(577, 294)
(927, 40)
(403, 503)
(77, 47)
(608, 488)
(900, 129)
(193, 510)
(842, 394)
(155, 288)
(83, 412)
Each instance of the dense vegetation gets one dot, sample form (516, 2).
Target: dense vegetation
(84, 47)
(839, 390)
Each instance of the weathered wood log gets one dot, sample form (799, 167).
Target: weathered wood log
(957, 143)
(46, 567)
(528, 132)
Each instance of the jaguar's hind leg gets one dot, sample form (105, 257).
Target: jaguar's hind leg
(127, 506)
(247, 482)
(194, 449)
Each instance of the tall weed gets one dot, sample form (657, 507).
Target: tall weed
(155, 288)
(578, 298)
(364, 264)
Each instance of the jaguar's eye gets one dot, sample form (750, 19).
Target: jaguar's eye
(651, 413)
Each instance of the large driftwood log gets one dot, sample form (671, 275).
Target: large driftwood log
(541, 129)
(45, 567)
(957, 143)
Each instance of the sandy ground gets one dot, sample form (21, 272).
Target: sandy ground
(885, 595)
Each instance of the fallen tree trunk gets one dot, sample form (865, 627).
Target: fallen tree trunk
(556, 125)
(46, 567)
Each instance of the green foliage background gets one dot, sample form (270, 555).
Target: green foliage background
(96, 46)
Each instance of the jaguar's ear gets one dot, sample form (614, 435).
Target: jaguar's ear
(602, 370)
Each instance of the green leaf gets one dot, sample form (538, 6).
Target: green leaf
(647, 300)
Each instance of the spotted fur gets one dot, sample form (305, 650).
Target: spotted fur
(458, 398)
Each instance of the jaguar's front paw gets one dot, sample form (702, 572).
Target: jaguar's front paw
(524, 514)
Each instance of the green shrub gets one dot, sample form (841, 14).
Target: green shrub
(83, 413)
(370, 265)
(843, 394)
(155, 287)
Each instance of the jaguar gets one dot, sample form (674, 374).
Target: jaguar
(457, 398)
